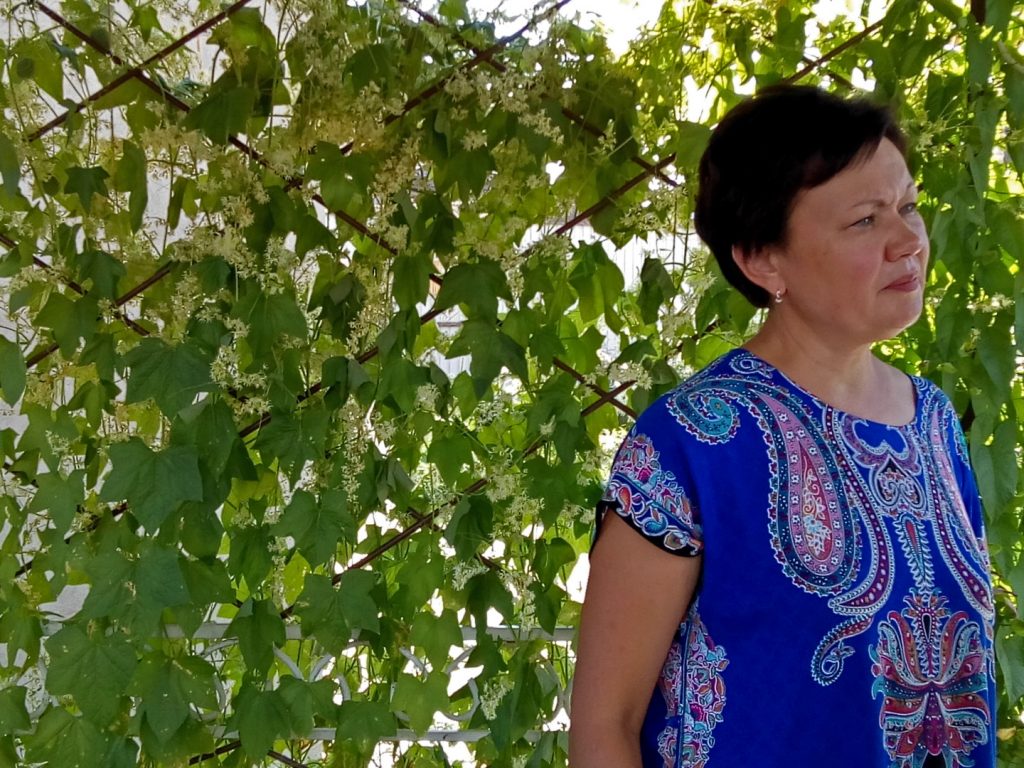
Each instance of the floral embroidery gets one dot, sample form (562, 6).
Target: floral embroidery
(696, 691)
(650, 498)
(931, 669)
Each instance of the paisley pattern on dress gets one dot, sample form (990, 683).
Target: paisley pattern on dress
(650, 499)
(930, 669)
(832, 488)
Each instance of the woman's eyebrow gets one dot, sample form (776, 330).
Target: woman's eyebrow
(877, 202)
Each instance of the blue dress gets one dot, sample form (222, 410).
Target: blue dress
(844, 613)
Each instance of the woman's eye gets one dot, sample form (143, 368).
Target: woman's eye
(867, 221)
(909, 208)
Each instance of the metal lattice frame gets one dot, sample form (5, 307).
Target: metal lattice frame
(479, 57)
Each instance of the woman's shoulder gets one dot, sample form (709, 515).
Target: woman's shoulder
(697, 406)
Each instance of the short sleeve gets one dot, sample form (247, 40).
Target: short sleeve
(966, 482)
(644, 492)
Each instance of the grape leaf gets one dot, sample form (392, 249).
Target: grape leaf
(155, 483)
(171, 375)
(96, 671)
(223, 113)
(13, 371)
(10, 166)
(87, 183)
(62, 739)
(13, 715)
(259, 628)
(261, 717)
(420, 699)
(435, 635)
(477, 287)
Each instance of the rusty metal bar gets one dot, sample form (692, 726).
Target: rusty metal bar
(864, 33)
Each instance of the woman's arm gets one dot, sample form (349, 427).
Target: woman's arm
(636, 598)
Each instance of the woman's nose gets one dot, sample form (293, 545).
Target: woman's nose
(908, 238)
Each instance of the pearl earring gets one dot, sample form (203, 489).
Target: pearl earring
(778, 296)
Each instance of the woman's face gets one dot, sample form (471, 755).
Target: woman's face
(853, 264)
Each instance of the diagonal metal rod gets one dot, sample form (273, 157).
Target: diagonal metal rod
(844, 46)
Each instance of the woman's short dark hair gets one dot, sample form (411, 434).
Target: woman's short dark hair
(764, 152)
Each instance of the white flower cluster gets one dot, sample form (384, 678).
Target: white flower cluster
(492, 693)
(632, 371)
(170, 141)
(462, 572)
(427, 396)
(502, 486)
(992, 304)
(350, 434)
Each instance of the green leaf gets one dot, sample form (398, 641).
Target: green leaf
(10, 166)
(316, 526)
(491, 350)
(598, 283)
(269, 316)
(1010, 654)
(209, 426)
(13, 713)
(342, 376)
(159, 581)
(366, 722)
(71, 321)
(207, 581)
(293, 439)
(171, 375)
(261, 717)
(86, 183)
(360, 608)
(96, 671)
(995, 464)
(20, 628)
(168, 690)
(224, 113)
(421, 699)
(154, 483)
(300, 699)
(65, 740)
(451, 452)
(59, 497)
(331, 614)
(13, 371)
(655, 288)
(250, 555)
(689, 143)
(411, 278)
(469, 530)
(436, 635)
(109, 593)
(130, 177)
(103, 270)
(550, 557)
(476, 287)
(259, 628)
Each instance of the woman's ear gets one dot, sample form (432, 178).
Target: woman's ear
(759, 266)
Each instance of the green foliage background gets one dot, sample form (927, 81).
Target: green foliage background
(234, 271)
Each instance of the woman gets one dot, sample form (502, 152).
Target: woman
(817, 592)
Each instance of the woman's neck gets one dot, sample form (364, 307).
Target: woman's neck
(847, 376)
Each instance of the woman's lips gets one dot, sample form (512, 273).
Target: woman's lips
(905, 284)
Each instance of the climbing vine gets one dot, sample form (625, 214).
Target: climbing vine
(317, 338)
